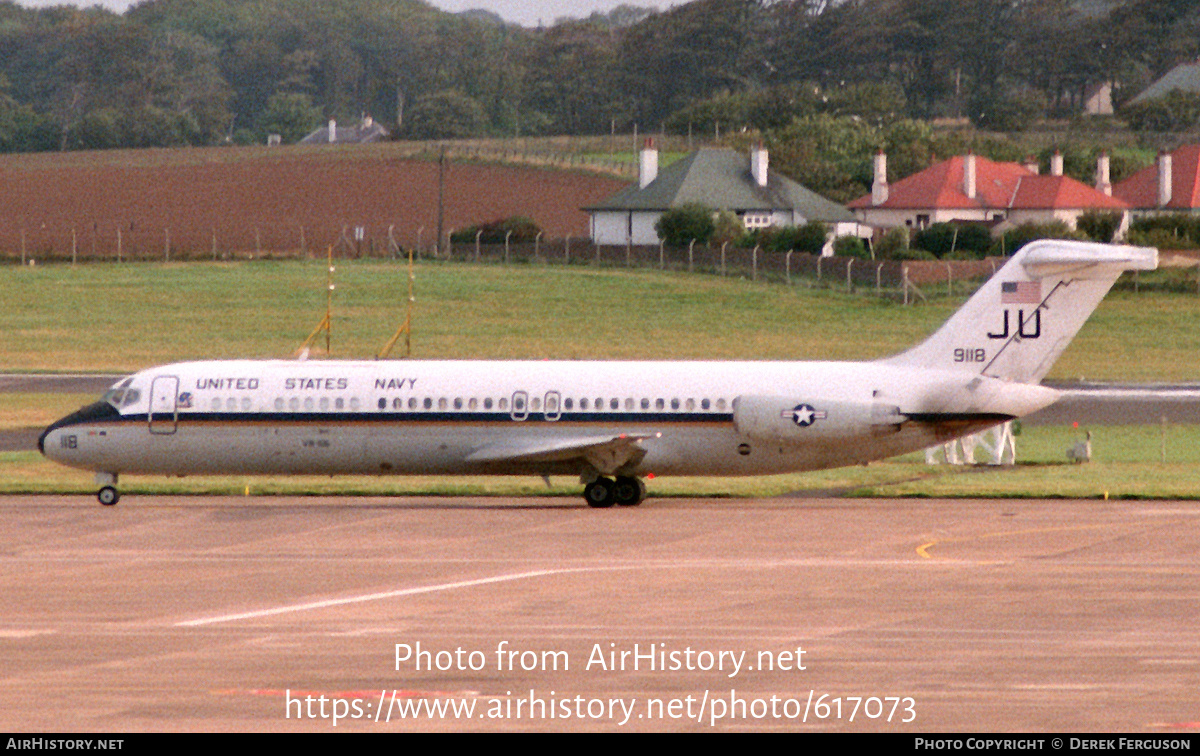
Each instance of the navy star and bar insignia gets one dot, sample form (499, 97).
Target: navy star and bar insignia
(804, 415)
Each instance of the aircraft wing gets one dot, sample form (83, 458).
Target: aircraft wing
(606, 452)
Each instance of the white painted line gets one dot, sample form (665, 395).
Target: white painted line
(374, 597)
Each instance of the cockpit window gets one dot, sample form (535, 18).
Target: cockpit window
(118, 396)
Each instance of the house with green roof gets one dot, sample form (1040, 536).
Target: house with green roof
(719, 178)
(1184, 77)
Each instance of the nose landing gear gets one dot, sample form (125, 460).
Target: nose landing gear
(108, 494)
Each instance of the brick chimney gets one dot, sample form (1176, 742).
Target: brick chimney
(1103, 184)
(1031, 164)
(647, 164)
(968, 186)
(1164, 178)
(879, 187)
(758, 164)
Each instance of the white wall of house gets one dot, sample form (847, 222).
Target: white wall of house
(886, 218)
(614, 227)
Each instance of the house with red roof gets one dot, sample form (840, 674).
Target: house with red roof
(1171, 185)
(972, 189)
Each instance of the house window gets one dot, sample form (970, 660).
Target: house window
(922, 221)
(755, 220)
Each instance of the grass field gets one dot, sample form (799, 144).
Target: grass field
(126, 317)
(122, 318)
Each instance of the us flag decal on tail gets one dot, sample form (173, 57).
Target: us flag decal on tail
(1021, 292)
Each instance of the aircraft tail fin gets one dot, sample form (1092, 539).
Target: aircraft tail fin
(1022, 319)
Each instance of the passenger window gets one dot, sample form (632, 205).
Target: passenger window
(628, 404)
(339, 403)
(246, 404)
(721, 405)
(535, 404)
(583, 404)
(412, 402)
(442, 403)
(354, 403)
(397, 403)
(674, 404)
(293, 404)
(324, 404)
(599, 403)
(308, 404)
(691, 405)
(502, 404)
(216, 404)
(382, 403)
(458, 402)
(279, 404)
(659, 404)
(487, 403)
(568, 404)
(428, 403)
(231, 404)
(645, 404)
(473, 403)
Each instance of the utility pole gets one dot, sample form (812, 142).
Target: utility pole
(441, 198)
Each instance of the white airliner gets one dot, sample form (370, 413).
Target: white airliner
(611, 423)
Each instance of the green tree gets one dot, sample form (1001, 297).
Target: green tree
(682, 225)
(448, 114)
(292, 116)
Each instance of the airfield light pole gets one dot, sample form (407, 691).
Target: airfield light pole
(406, 327)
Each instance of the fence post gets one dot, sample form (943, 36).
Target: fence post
(662, 265)
(537, 240)
(74, 247)
(691, 249)
(119, 249)
(754, 264)
(878, 279)
(849, 265)
(567, 250)
(477, 235)
(507, 236)
(420, 230)
(904, 281)
(166, 244)
(788, 266)
(628, 252)
(950, 275)
(723, 245)
(819, 259)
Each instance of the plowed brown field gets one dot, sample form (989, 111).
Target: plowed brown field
(278, 200)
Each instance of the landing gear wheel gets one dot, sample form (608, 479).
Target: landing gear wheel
(629, 491)
(108, 496)
(599, 493)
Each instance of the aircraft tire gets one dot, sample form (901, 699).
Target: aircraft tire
(629, 491)
(599, 493)
(108, 496)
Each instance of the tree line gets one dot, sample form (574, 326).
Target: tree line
(175, 72)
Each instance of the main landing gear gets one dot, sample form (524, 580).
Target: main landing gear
(108, 493)
(604, 492)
